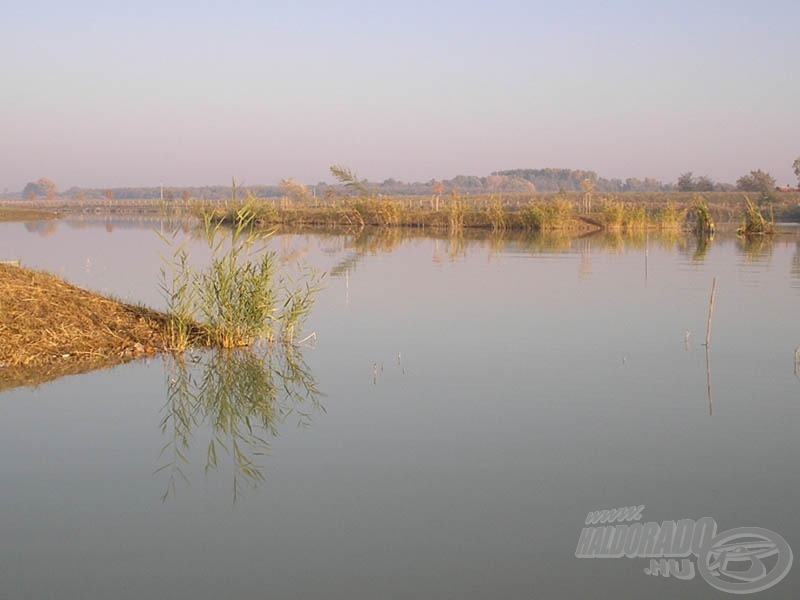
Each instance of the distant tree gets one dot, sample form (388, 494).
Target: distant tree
(703, 184)
(495, 183)
(796, 169)
(48, 187)
(186, 195)
(44, 187)
(757, 181)
(109, 195)
(32, 191)
(632, 184)
(686, 182)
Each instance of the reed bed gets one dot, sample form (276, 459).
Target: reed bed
(725, 207)
(456, 213)
(494, 213)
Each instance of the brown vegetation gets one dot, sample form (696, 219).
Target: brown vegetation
(51, 328)
(8, 213)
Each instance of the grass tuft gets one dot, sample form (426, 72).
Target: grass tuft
(754, 223)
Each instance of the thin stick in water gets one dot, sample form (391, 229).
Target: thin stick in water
(708, 382)
(711, 310)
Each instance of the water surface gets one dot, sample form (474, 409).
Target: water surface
(467, 403)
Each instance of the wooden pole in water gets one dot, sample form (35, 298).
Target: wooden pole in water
(711, 310)
(708, 382)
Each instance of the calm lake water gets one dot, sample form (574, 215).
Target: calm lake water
(467, 403)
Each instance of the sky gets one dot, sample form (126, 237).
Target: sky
(108, 94)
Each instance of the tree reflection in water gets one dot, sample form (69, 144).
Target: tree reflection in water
(237, 399)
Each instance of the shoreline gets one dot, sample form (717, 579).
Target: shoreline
(51, 328)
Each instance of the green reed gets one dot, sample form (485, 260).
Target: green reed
(239, 297)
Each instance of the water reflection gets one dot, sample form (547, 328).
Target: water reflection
(42, 228)
(237, 399)
(708, 381)
(46, 228)
(756, 248)
(454, 247)
(702, 247)
(449, 247)
(797, 362)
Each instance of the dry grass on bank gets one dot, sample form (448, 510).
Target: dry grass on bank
(11, 213)
(49, 328)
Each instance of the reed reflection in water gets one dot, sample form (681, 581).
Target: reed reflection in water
(237, 399)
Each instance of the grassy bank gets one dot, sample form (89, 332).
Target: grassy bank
(239, 298)
(563, 212)
(50, 328)
(24, 213)
(520, 212)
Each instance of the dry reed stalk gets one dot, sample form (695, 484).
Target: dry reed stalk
(711, 310)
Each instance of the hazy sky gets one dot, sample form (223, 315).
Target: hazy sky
(192, 93)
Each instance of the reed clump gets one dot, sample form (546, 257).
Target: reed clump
(456, 213)
(496, 215)
(558, 214)
(700, 215)
(754, 222)
(239, 297)
(671, 217)
(379, 213)
(617, 215)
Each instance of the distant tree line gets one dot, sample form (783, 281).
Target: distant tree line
(758, 182)
(572, 180)
(687, 182)
(514, 181)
